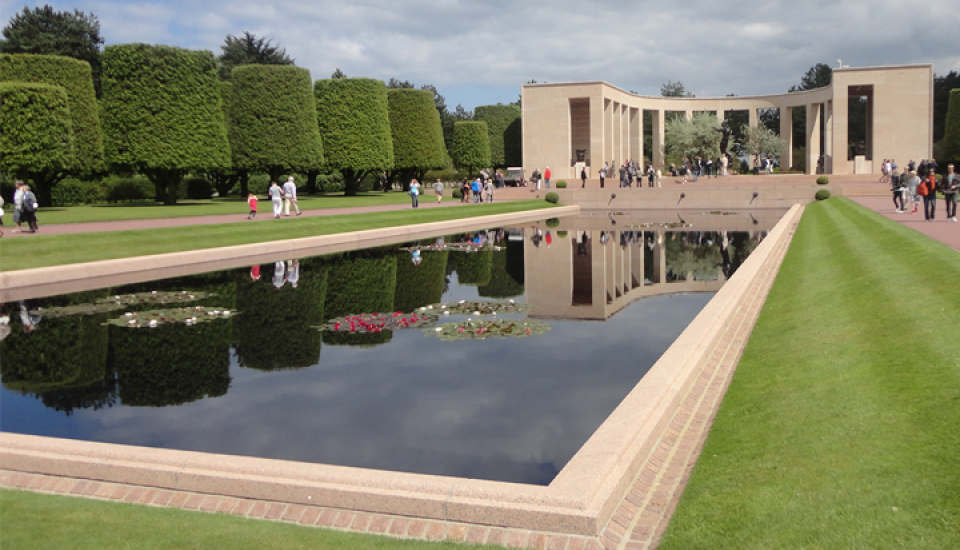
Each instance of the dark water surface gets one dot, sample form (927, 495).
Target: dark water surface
(263, 382)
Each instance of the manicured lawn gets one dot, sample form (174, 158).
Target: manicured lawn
(34, 522)
(47, 250)
(188, 208)
(841, 428)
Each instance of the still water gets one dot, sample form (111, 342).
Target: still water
(260, 378)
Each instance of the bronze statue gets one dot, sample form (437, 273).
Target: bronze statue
(725, 140)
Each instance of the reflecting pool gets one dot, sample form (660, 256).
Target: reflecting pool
(571, 317)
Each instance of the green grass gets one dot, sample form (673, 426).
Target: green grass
(48, 250)
(32, 521)
(841, 428)
(189, 208)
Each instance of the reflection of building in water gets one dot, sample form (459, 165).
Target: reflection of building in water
(594, 274)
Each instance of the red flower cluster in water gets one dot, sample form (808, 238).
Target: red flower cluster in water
(376, 322)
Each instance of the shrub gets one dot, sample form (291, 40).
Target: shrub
(330, 183)
(458, 193)
(504, 131)
(272, 120)
(73, 191)
(162, 113)
(136, 188)
(446, 176)
(823, 180)
(822, 195)
(471, 146)
(35, 128)
(552, 198)
(950, 144)
(416, 131)
(561, 234)
(198, 188)
(553, 222)
(354, 125)
(562, 184)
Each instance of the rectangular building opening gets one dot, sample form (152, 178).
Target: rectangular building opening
(860, 122)
(580, 131)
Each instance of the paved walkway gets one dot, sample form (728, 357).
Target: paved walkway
(941, 229)
(263, 216)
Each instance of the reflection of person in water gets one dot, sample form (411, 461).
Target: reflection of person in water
(537, 237)
(255, 272)
(4, 325)
(604, 237)
(279, 274)
(416, 256)
(293, 272)
(726, 265)
(582, 237)
(30, 321)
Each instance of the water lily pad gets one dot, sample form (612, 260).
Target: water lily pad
(183, 315)
(378, 322)
(120, 301)
(480, 307)
(477, 329)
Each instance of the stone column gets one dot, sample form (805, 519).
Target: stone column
(660, 258)
(828, 137)
(752, 117)
(636, 260)
(657, 153)
(813, 137)
(786, 132)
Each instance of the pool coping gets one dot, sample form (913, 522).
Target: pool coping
(583, 499)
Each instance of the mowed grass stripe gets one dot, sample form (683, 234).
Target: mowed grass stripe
(47, 250)
(846, 403)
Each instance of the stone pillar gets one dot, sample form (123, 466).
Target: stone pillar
(813, 137)
(607, 132)
(636, 134)
(660, 258)
(786, 132)
(828, 137)
(752, 117)
(597, 141)
(657, 153)
(640, 135)
(636, 260)
(689, 114)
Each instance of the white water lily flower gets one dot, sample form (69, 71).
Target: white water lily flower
(446, 313)
(494, 313)
(511, 301)
(463, 301)
(153, 323)
(439, 329)
(226, 312)
(154, 292)
(132, 322)
(429, 307)
(476, 313)
(128, 314)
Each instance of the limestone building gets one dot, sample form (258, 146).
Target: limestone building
(567, 126)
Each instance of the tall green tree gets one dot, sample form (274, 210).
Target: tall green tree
(162, 114)
(354, 125)
(75, 77)
(942, 85)
(225, 179)
(674, 89)
(761, 141)
(44, 31)
(471, 146)
(417, 136)
(693, 138)
(950, 145)
(273, 120)
(36, 133)
(506, 133)
(249, 50)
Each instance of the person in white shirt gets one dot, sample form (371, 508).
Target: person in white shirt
(293, 272)
(17, 203)
(276, 197)
(290, 197)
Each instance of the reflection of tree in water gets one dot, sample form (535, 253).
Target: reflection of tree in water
(692, 254)
(419, 285)
(502, 283)
(360, 282)
(171, 364)
(273, 330)
(473, 268)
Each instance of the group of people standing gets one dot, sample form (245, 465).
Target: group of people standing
(915, 186)
(476, 190)
(25, 207)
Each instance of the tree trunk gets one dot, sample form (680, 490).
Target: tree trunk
(312, 182)
(244, 181)
(276, 172)
(167, 184)
(42, 185)
(350, 183)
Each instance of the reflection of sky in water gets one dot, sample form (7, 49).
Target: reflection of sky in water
(502, 409)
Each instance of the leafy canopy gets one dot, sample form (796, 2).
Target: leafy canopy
(49, 32)
(693, 138)
(35, 128)
(674, 89)
(249, 50)
(761, 141)
(506, 136)
(471, 145)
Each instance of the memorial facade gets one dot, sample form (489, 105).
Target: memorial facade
(569, 126)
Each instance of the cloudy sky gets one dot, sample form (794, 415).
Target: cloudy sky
(478, 53)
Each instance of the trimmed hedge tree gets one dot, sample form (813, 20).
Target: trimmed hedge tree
(506, 133)
(75, 77)
(162, 114)
(355, 127)
(273, 120)
(950, 145)
(471, 146)
(35, 130)
(417, 135)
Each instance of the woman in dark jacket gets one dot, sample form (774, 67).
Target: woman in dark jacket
(28, 212)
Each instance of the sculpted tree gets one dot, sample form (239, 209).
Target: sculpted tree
(950, 145)
(249, 50)
(417, 136)
(162, 114)
(272, 120)
(471, 146)
(75, 78)
(355, 127)
(505, 131)
(36, 135)
(48, 32)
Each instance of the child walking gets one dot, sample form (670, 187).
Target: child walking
(252, 201)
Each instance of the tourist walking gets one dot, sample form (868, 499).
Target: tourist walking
(928, 190)
(252, 203)
(465, 190)
(897, 193)
(28, 209)
(438, 189)
(623, 175)
(17, 205)
(488, 190)
(583, 177)
(290, 197)
(951, 183)
(499, 179)
(415, 193)
(912, 182)
(475, 188)
(1, 214)
(293, 272)
(603, 174)
(546, 178)
(536, 177)
(276, 197)
(279, 274)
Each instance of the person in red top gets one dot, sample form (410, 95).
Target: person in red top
(546, 178)
(252, 201)
(929, 186)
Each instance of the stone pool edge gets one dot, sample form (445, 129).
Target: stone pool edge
(62, 279)
(588, 498)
